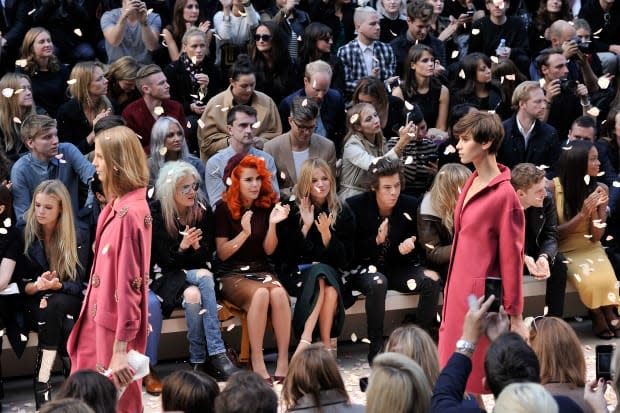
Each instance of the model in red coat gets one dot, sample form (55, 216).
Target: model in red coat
(114, 315)
(489, 231)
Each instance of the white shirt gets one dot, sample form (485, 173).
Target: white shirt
(299, 158)
(526, 134)
(368, 56)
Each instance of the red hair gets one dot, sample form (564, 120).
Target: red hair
(266, 197)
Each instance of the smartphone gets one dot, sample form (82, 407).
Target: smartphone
(470, 13)
(493, 286)
(603, 361)
(363, 384)
(255, 277)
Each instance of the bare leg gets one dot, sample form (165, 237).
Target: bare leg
(257, 322)
(313, 318)
(281, 321)
(326, 318)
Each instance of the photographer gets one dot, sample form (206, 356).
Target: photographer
(566, 99)
(419, 156)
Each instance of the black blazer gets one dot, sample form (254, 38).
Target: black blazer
(181, 84)
(541, 230)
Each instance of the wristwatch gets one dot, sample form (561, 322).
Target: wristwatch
(463, 346)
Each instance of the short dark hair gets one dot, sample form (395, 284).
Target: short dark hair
(242, 66)
(189, 391)
(510, 359)
(232, 113)
(246, 392)
(419, 10)
(483, 126)
(543, 57)
(584, 121)
(97, 391)
(385, 167)
(304, 109)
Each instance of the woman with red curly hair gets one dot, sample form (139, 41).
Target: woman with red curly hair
(245, 235)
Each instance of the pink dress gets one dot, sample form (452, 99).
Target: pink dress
(115, 307)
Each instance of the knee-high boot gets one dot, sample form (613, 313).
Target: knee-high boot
(1, 379)
(43, 389)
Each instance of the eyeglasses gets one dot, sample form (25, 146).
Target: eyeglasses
(263, 37)
(185, 189)
(310, 128)
(326, 37)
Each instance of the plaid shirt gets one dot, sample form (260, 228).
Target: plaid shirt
(355, 68)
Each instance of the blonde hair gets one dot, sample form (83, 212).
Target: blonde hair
(61, 252)
(525, 398)
(125, 68)
(356, 113)
(304, 186)
(27, 52)
(35, 124)
(10, 109)
(522, 92)
(170, 175)
(126, 167)
(415, 343)
(83, 74)
(445, 191)
(397, 384)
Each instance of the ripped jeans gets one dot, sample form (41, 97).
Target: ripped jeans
(203, 326)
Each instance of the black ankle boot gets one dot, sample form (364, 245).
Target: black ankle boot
(220, 367)
(42, 391)
(65, 361)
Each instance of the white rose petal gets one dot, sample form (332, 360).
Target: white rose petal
(7, 222)
(407, 216)
(354, 118)
(7, 92)
(372, 269)
(163, 151)
(256, 124)
(78, 32)
(603, 82)
(16, 120)
(365, 340)
(150, 192)
(353, 337)
(3, 231)
(411, 284)
(247, 267)
(475, 32)
(495, 59)
(586, 179)
(449, 149)
(158, 110)
(71, 81)
(408, 105)
(454, 54)
(230, 327)
(593, 111)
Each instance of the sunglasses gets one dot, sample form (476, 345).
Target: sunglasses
(263, 37)
(185, 189)
(534, 327)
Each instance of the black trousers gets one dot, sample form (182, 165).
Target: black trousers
(56, 319)
(556, 287)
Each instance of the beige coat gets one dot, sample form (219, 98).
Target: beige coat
(214, 135)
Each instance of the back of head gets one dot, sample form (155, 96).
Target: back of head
(96, 390)
(246, 392)
(510, 360)
(415, 343)
(525, 398)
(559, 352)
(66, 406)
(419, 10)
(109, 122)
(524, 175)
(189, 391)
(144, 73)
(311, 371)
(397, 384)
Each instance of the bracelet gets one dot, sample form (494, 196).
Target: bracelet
(585, 105)
(545, 256)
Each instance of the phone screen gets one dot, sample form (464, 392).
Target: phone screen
(493, 286)
(603, 361)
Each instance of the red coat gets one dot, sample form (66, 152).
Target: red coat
(141, 120)
(116, 301)
(488, 241)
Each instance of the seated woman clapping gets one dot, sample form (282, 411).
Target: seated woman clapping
(245, 235)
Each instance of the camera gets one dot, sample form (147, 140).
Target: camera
(428, 158)
(568, 86)
(582, 45)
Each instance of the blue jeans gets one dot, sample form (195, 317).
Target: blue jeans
(155, 320)
(203, 328)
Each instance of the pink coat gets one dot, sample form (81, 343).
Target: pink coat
(115, 307)
(488, 241)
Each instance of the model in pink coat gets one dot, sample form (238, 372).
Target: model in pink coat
(114, 315)
(489, 231)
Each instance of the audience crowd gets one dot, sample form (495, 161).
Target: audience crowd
(310, 151)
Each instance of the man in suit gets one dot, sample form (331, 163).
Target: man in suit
(291, 149)
(366, 55)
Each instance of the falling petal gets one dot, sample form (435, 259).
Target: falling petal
(578, 319)
(611, 297)
(567, 148)
(408, 105)
(247, 267)
(462, 74)
(224, 109)
(609, 238)
(150, 192)
(201, 205)
(429, 246)
(372, 269)
(455, 54)
(3, 231)
(510, 77)
(21, 63)
(78, 32)
(495, 59)
(163, 151)
(228, 181)
(407, 216)
(16, 120)
(291, 198)
(542, 82)
(586, 179)
(304, 102)
(600, 225)
(201, 124)
(603, 82)
(31, 12)
(71, 81)
(600, 173)
(230, 327)
(7, 92)
(393, 34)
(282, 175)
(365, 340)
(545, 311)
(353, 337)
(23, 338)
(158, 110)
(449, 149)
(354, 118)
(438, 318)
(7, 222)
(501, 79)
(598, 32)
(375, 59)
(542, 167)
(411, 284)
(189, 125)
(408, 160)
(267, 279)
(149, 11)
(201, 312)
(183, 233)
(475, 32)
(105, 249)
(588, 236)
(299, 284)
(256, 124)
(593, 111)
